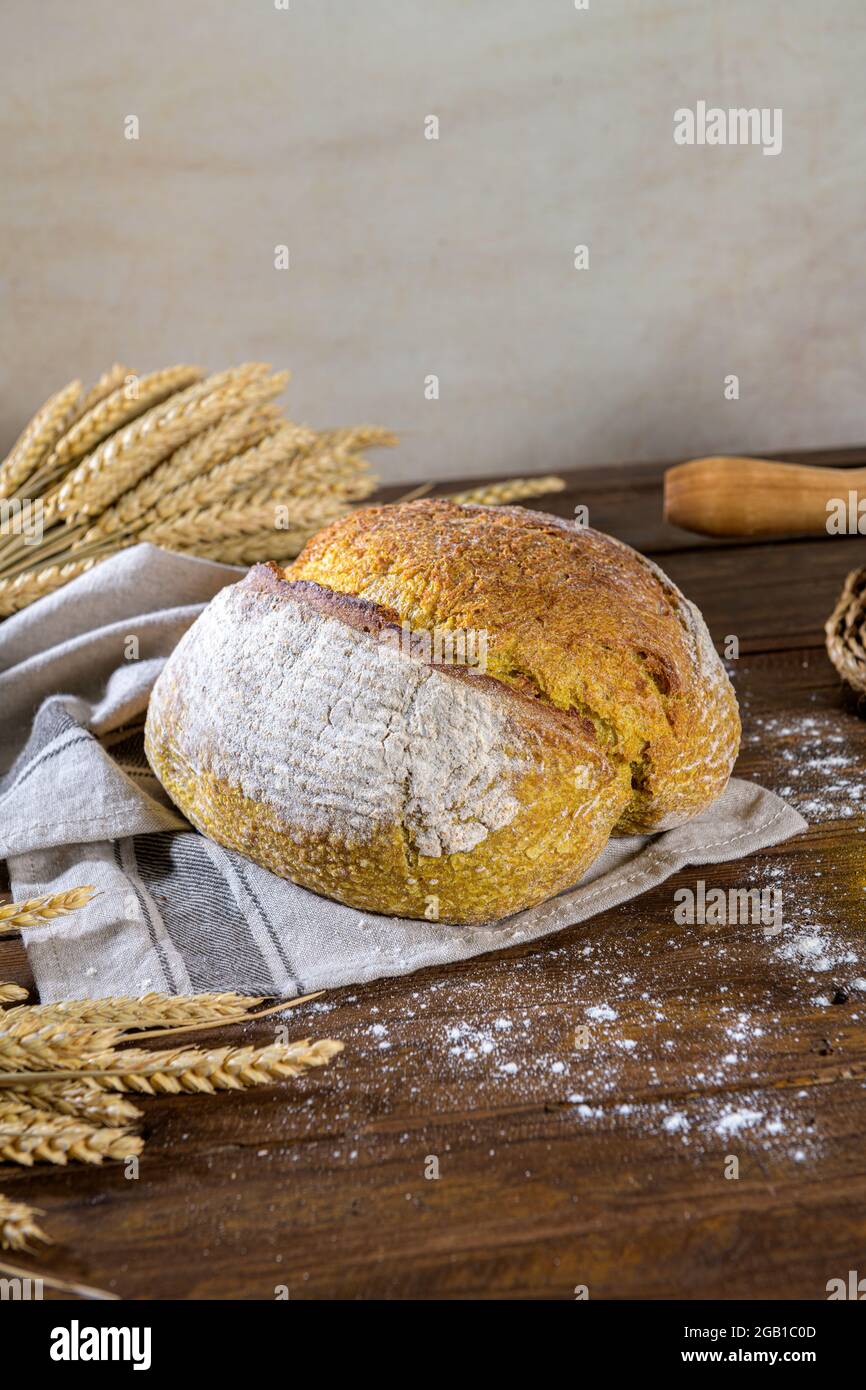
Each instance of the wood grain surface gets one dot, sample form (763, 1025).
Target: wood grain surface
(599, 1157)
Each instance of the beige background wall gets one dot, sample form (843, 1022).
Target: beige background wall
(455, 257)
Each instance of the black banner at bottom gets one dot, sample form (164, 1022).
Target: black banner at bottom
(64, 1338)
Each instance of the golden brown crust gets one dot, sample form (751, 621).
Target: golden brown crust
(574, 617)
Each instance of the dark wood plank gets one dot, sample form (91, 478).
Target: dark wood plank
(770, 596)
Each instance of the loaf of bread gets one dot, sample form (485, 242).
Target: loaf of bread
(443, 711)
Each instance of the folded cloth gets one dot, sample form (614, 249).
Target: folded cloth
(176, 912)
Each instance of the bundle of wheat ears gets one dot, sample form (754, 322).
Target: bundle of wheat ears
(203, 465)
(207, 465)
(64, 1068)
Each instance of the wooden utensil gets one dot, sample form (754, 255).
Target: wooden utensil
(723, 496)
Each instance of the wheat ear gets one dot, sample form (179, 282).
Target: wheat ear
(14, 916)
(354, 439)
(264, 545)
(275, 453)
(500, 494)
(56, 464)
(52, 1048)
(117, 527)
(206, 450)
(187, 1069)
(80, 1099)
(9, 994)
(229, 521)
(111, 414)
(311, 475)
(150, 1011)
(56, 482)
(121, 461)
(38, 439)
(18, 1225)
(57, 1138)
(116, 375)
(25, 588)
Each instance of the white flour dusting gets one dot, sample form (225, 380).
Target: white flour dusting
(340, 735)
(608, 1038)
(820, 759)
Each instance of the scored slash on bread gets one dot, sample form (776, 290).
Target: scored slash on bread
(286, 726)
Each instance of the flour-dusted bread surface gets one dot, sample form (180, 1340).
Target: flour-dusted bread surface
(576, 619)
(289, 723)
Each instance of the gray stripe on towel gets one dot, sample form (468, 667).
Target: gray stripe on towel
(51, 723)
(201, 915)
(240, 876)
(169, 957)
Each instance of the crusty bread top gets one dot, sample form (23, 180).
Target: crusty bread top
(568, 727)
(573, 617)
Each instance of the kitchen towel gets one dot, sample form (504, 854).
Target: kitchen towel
(176, 912)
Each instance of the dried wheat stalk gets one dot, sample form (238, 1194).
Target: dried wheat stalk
(122, 460)
(354, 439)
(107, 415)
(500, 494)
(25, 588)
(25, 1025)
(61, 1285)
(259, 511)
(116, 375)
(327, 476)
(150, 1011)
(263, 545)
(119, 408)
(62, 544)
(208, 446)
(202, 454)
(57, 1138)
(185, 1069)
(277, 452)
(102, 1023)
(55, 548)
(51, 1048)
(39, 438)
(110, 381)
(81, 1099)
(11, 993)
(14, 916)
(152, 389)
(107, 1019)
(71, 1111)
(304, 470)
(18, 1225)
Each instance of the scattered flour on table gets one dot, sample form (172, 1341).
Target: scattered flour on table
(608, 1045)
(821, 770)
(814, 950)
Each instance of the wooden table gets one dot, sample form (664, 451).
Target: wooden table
(603, 1165)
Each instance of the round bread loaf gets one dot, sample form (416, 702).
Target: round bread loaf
(443, 711)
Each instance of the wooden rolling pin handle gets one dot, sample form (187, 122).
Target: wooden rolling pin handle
(723, 496)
